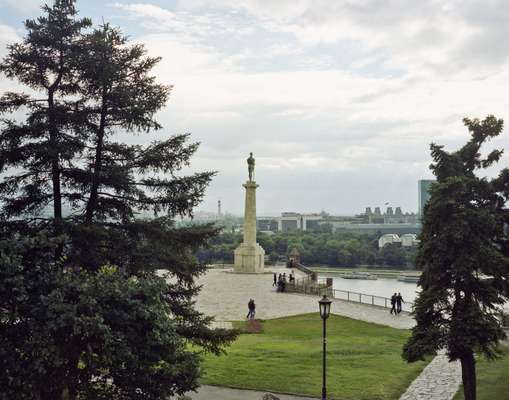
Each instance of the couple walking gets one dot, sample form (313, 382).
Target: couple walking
(396, 300)
(251, 309)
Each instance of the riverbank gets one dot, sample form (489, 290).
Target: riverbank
(380, 272)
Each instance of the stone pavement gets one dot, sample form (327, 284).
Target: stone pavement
(221, 393)
(225, 295)
(440, 380)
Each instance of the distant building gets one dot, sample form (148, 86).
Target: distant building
(393, 221)
(409, 240)
(289, 222)
(266, 224)
(389, 238)
(406, 240)
(423, 186)
(389, 217)
(292, 221)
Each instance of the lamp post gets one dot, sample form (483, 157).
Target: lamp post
(324, 304)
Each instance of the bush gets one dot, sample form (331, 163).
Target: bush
(81, 335)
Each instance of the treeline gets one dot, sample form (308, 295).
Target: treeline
(334, 249)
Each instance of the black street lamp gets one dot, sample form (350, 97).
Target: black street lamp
(324, 304)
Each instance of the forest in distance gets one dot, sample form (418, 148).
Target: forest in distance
(336, 249)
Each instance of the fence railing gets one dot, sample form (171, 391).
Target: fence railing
(308, 286)
(370, 299)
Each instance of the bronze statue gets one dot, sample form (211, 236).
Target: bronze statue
(251, 166)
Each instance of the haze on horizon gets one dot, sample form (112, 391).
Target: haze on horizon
(338, 101)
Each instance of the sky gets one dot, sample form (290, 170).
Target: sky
(338, 100)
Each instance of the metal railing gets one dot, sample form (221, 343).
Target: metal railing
(309, 273)
(307, 286)
(370, 299)
(310, 284)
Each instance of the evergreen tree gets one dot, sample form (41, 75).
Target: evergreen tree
(67, 153)
(43, 147)
(464, 256)
(80, 335)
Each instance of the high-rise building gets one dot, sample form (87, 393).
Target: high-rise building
(424, 186)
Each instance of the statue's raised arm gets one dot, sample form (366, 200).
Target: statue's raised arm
(251, 166)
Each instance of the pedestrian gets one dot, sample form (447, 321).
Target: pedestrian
(393, 303)
(252, 309)
(399, 300)
(275, 279)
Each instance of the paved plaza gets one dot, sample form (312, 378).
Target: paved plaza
(225, 296)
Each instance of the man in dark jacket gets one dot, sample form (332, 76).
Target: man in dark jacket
(252, 309)
(399, 300)
(393, 303)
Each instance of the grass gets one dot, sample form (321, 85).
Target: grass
(492, 378)
(363, 359)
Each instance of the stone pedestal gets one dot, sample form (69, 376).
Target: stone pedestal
(249, 259)
(249, 256)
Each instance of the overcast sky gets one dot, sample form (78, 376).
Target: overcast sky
(338, 100)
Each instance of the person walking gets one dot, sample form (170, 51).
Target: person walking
(252, 309)
(275, 279)
(393, 303)
(399, 300)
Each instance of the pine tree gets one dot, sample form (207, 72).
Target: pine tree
(96, 87)
(464, 256)
(42, 148)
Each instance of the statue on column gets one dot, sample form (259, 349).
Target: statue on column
(251, 166)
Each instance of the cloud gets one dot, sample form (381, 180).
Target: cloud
(324, 118)
(8, 35)
(439, 35)
(338, 100)
(22, 5)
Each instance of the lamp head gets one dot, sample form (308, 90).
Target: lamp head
(324, 304)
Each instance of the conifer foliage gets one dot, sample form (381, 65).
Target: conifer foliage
(75, 243)
(464, 255)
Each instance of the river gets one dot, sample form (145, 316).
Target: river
(382, 287)
(379, 287)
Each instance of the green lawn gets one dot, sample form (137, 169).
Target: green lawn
(364, 359)
(492, 378)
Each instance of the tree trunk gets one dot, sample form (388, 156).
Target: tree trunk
(96, 179)
(468, 376)
(55, 173)
(55, 167)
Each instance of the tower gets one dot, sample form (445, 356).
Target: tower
(250, 256)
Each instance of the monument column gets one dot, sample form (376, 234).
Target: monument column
(250, 213)
(250, 256)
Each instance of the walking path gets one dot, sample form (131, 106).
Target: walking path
(225, 295)
(222, 393)
(440, 380)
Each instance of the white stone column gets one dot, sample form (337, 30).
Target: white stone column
(249, 256)
(250, 213)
